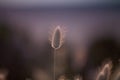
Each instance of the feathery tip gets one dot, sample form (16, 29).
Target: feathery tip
(57, 38)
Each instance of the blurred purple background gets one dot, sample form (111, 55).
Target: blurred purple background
(30, 26)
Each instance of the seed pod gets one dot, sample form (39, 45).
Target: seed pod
(105, 72)
(57, 38)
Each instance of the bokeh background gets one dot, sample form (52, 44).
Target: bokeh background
(92, 35)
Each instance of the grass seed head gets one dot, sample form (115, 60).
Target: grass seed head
(57, 37)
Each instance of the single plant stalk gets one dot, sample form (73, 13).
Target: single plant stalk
(56, 43)
(54, 65)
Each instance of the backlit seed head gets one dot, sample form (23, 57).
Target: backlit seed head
(105, 71)
(57, 37)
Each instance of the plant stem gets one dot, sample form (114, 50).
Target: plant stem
(54, 64)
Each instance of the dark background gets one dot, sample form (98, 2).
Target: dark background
(92, 36)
